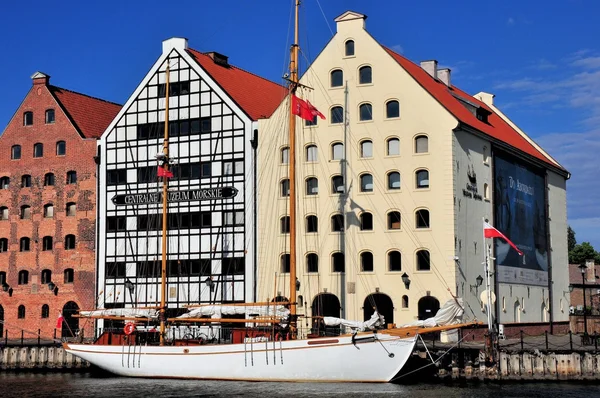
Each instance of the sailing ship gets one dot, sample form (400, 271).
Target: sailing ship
(267, 344)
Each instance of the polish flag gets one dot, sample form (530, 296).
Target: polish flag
(60, 320)
(491, 232)
(305, 109)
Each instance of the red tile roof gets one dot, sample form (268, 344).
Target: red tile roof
(496, 127)
(258, 97)
(91, 116)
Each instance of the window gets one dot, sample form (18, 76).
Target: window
(421, 144)
(116, 177)
(26, 181)
(393, 220)
(285, 187)
(25, 212)
(285, 155)
(422, 178)
(45, 311)
(393, 147)
(365, 112)
(349, 48)
(233, 218)
(366, 262)
(337, 115)
(337, 223)
(28, 119)
(405, 301)
(4, 182)
(69, 242)
(284, 224)
(233, 167)
(24, 244)
(61, 148)
(338, 262)
(422, 218)
(2, 278)
(49, 179)
(38, 150)
(47, 244)
(3, 245)
(366, 149)
(49, 116)
(312, 262)
(312, 122)
(284, 261)
(365, 75)
(23, 277)
(48, 210)
(392, 109)
(312, 186)
(118, 269)
(337, 151)
(3, 213)
(69, 275)
(46, 276)
(71, 209)
(311, 153)
(486, 191)
(71, 177)
(337, 78)
(175, 88)
(144, 174)
(423, 261)
(15, 152)
(394, 261)
(366, 221)
(393, 180)
(337, 184)
(116, 223)
(21, 312)
(366, 183)
(312, 224)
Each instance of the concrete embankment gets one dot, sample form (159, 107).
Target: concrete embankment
(43, 358)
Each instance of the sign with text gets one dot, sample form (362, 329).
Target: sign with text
(175, 196)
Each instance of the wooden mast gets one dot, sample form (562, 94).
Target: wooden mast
(292, 174)
(163, 267)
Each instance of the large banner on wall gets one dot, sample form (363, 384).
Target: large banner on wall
(520, 213)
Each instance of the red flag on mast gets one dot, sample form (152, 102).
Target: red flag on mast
(60, 320)
(162, 172)
(305, 109)
(491, 232)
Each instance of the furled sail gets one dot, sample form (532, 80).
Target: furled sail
(125, 312)
(217, 311)
(450, 313)
(375, 322)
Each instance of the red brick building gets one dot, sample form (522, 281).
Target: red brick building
(48, 209)
(590, 279)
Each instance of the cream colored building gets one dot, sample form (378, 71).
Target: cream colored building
(403, 230)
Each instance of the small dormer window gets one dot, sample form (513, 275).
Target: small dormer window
(28, 119)
(349, 48)
(482, 115)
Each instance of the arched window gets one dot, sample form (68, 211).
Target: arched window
(394, 261)
(284, 262)
(312, 186)
(337, 184)
(3, 245)
(337, 151)
(366, 221)
(285, 155)
(337, 115)
(393, 179)
(24, 244)
(405, 301)
(366, 262)
(23, 277)
(393, 220)
(15, 152)
(50, 116)
(393, 147)
(365, 112)
(311, 153)
(69, 242)
(71, 209)
(337, 78)
(26, 181)
(365, 75)
(285, 188)
(49, 210)
(392, 109)
(4, 182)
(486, 191)
(284, 224)
(45, 311)
(49, 179)
(337, 223)
(338, 262)
(423, 260)
(38, 150)
(421, 144)
(25, 212)
(3, 213)
(422, 178)
(28, 118)
(71, 177)
(366, 183)
(366, 149)
(312, 224)
(46, 276)
(21, 312)
(312, 262)
(61, 148)
(422, 218)
(47, 243)
(69, 275)
(2, 280)
(349, 48)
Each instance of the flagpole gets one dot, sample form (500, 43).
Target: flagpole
(488, 280)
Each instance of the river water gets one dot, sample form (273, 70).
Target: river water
(96, 385)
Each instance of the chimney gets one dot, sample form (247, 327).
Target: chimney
(486, 98)
(444, 76)
(219, 59)
(590, 274)
(40, 78)
(430, 67)
(179, 43)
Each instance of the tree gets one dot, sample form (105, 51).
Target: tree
(582, 252)
(571, 241)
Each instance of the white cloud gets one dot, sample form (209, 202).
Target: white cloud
(510, 21)
(397, 48)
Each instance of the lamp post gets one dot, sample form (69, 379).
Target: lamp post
(583, 268)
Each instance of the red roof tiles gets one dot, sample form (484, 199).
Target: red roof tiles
(258, 97)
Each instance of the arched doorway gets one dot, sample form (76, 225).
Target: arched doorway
(1, 321)
(70, 326)
(428, 307)
(382, 303)
(325, 304)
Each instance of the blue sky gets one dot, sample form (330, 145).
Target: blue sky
(541, 59)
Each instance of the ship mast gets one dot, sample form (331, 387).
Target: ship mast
(293, 85)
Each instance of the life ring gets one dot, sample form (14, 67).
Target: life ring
(129, 328)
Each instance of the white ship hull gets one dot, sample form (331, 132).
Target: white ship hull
(331, 359)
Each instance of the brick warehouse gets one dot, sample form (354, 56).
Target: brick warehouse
(48, 209)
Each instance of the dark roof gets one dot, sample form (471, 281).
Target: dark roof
(91, 116)
(256, 96)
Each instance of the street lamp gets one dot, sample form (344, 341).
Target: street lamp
(583, 269)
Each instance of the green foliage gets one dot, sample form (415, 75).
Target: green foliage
(571, 241)
(583, 252)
